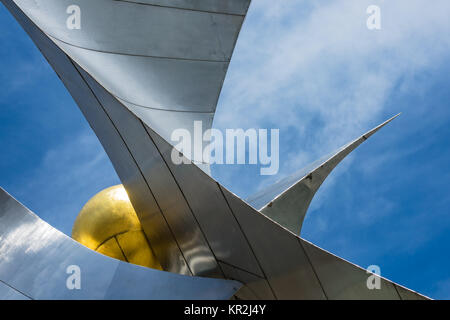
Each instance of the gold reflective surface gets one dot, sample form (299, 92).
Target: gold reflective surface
(109, 225)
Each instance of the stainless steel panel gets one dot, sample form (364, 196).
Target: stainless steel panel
(202, 229)
(263, 197)
(279, 253)
(116, 149)
(211, 211)
(161, 183)
(343, 280)
(153, 83)
(287, 201)
(35, 257)
(152, 57)
(407, 294)
(169, 286)
(134, 29)
(289, 209)
(255, 288)
(8, 293)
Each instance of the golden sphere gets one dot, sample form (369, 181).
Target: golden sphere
(109, 225)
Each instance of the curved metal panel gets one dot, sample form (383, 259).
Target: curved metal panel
(8, 293)
(133, 29)
(212, 212)
(153, 83)
(203, 229)
(238, 7)
(287, 201)
(407, 294)
(160, 182)
(150, 55)
(279, 254)
(256, 288)
(35, 258)
(341, 279)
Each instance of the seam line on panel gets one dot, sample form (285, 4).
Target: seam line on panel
(184, 9)
(244, 284)
(121, 250)
(17, 290)
(231, 55)
(107, 115)
(150, 245)
(133, 103)
(312, 267)
(134, 54)
(183, 195)
(248, 242)
(240, 269)
(109, 238)
(131, 155)
(396, 290)
(161, 109)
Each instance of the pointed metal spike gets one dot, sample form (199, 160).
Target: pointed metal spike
(287, 201)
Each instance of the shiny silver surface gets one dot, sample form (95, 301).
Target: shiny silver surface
(237, 7)
(9, 293)
(287, 201)
(341, 279)
(164, 60)
(35, 257)
(195, 226)
(168, 196)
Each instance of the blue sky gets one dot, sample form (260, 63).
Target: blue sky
(313, 70)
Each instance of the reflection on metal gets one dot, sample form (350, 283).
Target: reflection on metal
(166, 59)
(342, 280)
(287, 201)
(9, 293)
(109, 225)
(35, 258)
(133, 90)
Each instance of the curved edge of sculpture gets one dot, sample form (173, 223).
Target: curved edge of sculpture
(287, 201)
(39, 262)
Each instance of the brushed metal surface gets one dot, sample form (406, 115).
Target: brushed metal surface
(278, 252)
(163, 243)
(230, 6)
(408, 294)
(153, 83)
(204, 228)
(161, 183)
(35, 257)
(256, 288)
(8, 293)
(126, 28)
(108, 224)
(212, 212)
(166, 64)
(342, 280)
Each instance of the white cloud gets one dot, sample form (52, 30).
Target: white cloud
(316, 68)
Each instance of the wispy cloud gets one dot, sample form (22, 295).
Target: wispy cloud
(316, 71)
(66, 178)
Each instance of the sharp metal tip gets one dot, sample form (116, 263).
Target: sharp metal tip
(389, 120)
(371, 132)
